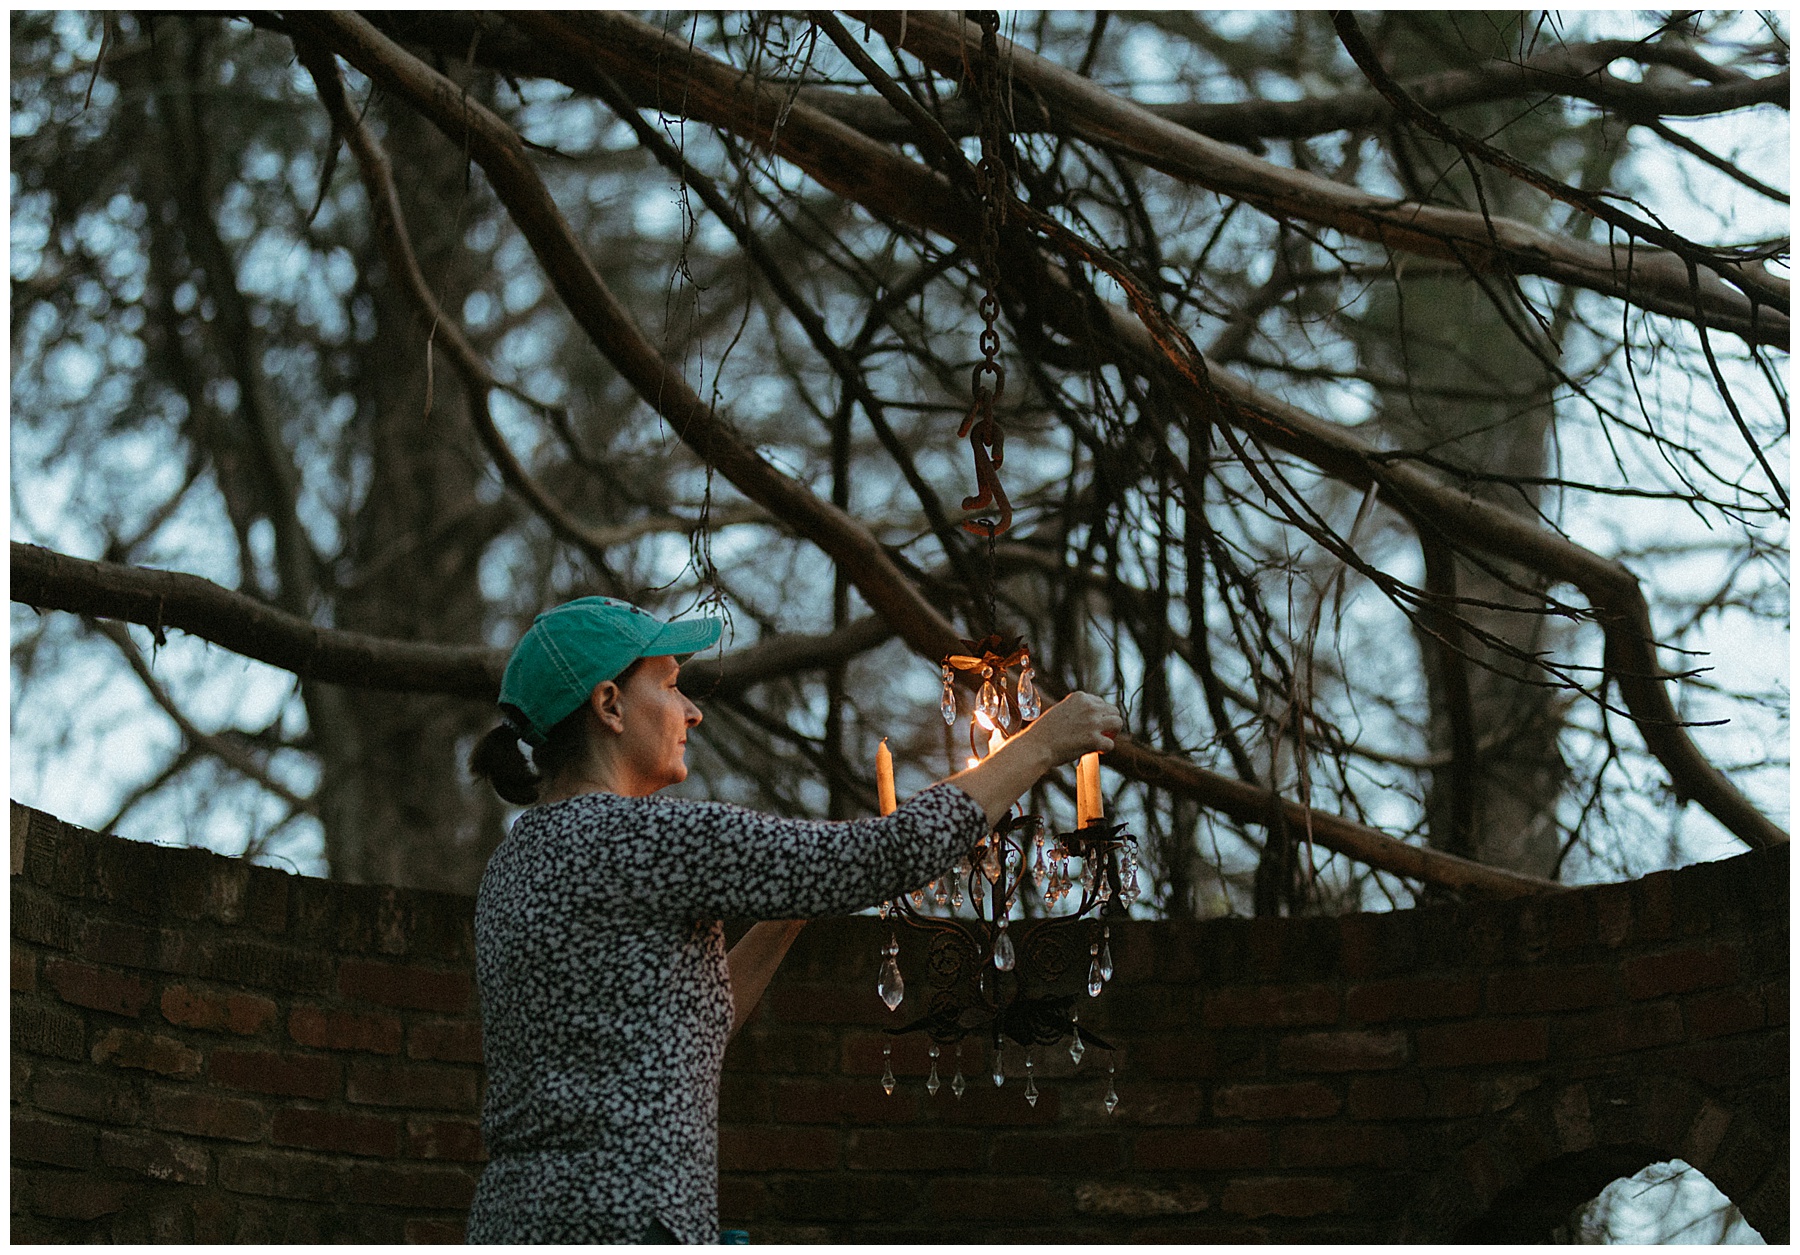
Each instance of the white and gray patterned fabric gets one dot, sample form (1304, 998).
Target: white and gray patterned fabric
(606, 998)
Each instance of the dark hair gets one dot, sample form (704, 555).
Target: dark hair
(499, 760)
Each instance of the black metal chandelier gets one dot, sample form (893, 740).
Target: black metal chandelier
(989, 980)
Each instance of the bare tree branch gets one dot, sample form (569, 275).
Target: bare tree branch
(160, 600)
(498, 150)
(1654, 279)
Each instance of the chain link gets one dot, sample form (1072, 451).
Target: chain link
(988, 380)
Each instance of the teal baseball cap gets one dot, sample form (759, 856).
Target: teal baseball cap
(569, 649)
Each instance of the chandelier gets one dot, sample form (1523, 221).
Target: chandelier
(984, 982)
(987, 979)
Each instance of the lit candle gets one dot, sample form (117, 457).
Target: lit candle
(1087, 790)
(884, 777)
(996, 741)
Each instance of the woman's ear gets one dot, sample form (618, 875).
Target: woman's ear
(607, 707)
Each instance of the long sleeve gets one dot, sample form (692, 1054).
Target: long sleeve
(709, 860)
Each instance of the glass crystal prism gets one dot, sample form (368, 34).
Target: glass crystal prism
(1003, 950)
(957, 1084)
(1106, 963)
(1077, 1048)
(1031, 1094)
(1112, 1096)
(1030, 706)
(1095, 981)
(891, 987)
(931, 1082)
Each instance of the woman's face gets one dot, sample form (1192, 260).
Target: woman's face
(656, 717)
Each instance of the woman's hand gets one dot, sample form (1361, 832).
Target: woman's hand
(1079, 724)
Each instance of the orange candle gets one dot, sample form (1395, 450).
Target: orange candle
(1087, 790)
(884, 778)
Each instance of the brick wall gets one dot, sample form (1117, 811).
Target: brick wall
(205, 1051)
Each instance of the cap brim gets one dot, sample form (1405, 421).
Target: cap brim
(687, 637)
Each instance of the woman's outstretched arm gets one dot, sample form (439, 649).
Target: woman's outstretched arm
(753, 962)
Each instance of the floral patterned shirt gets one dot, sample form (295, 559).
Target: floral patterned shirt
(606, 998)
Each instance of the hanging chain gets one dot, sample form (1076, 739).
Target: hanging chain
(988, 379)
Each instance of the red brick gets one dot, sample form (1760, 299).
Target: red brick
(1342, 1052)
(207, 1115)
(436, 1232)
(147, 1052)
(858, 1101)
(326, 1130)
(48, 1030)
(297, 1076)
(1201, 1150)
(832, 1004)
(1655, 906)
(1387, 1098)
(281, 1174)
(38, 1140)
(96, 988)
(445, 1139)
(739, 1198)
(399, 985)
(244, 1014)
(329, 1028)
(1775, 1002)
(1618, 1030)
(773, 1150)
(885, 1150)
(1680, 972)
(1159, 1102)
(410, 1185)
(1549, 989)
(1286, 1196)
(61, 1197)
(412, 1085)
(24, 969)
(127, 945)
(157, 1157)
(1279, 1006)
(776, 1048)
(453, 1041)
(1341, 1146)
(1304, 1100)
(86, 1095)
(1483, 1042)
(1722, 1013)
(976, 1198)
(745, 1099)
(1061, 1151)
(1414, 998)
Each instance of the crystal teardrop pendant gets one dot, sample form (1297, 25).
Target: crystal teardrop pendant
(931, 1082)
(1002, 712)
(918, 897)
(891, 987)
(887, 1069)
(1003, 949)
(1095, 981)
(1112, 1096)
(1038, 872)
(999, 1066)
(947, 703)
(1106, 963)
(957, 1085)
(940, 891)
(986, 702)
(1077, 1048)
(1031, 1092)
(1030, 705)
(956, 887)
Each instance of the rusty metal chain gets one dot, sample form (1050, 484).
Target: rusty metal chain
(988, 380)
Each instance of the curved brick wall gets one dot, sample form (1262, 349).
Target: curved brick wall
(204, 1051)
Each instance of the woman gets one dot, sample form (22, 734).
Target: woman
(607, 994)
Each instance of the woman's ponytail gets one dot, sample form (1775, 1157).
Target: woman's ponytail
(499, 760)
